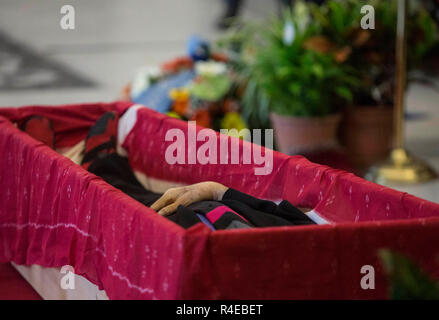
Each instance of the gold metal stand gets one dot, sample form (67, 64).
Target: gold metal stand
(401, 167)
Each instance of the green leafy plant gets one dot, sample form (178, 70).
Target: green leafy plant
(373, 51)
(407, 280)
(295, 77)
(331, 62)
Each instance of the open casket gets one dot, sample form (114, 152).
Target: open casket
(55, 213)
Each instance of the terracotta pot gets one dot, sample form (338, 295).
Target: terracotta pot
(367, 133)
(299, 135)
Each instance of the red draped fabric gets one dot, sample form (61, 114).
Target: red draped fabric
(53, 213)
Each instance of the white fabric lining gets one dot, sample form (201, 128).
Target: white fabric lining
(46, 281)
(317, 218)
(125, 125)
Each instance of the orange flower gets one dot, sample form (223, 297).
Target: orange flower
(361, 37)
(180, 98)
(177, 64)
(219, 57)
(343, 54)
(202, 117)
(320, 44)
(323, 45)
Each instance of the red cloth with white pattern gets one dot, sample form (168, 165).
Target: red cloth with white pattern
(53, 213)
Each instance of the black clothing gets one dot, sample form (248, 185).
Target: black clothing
(264, 213)
(116, 170)
(243, 211)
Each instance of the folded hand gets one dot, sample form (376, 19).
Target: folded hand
(184, 196)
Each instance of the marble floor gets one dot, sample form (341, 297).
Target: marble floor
(113, 38)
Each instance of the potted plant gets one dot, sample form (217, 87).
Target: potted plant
(291, 81)
(367, 126)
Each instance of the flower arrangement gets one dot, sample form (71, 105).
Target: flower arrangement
(198, 87)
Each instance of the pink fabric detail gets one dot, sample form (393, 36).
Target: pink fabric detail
(53, 213)
(70, 122)
(216, 213)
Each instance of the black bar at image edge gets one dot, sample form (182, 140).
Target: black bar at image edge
(245, 309)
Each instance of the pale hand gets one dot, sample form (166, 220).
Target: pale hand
(184, 196)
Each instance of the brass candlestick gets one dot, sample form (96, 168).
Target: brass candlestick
(401, 167)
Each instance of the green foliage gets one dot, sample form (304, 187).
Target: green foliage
(292, 80)
(407, 281)
(285, 77)
(337, 18)
(373, 51)
(211, 88)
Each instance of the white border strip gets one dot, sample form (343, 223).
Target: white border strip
(314, 216)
